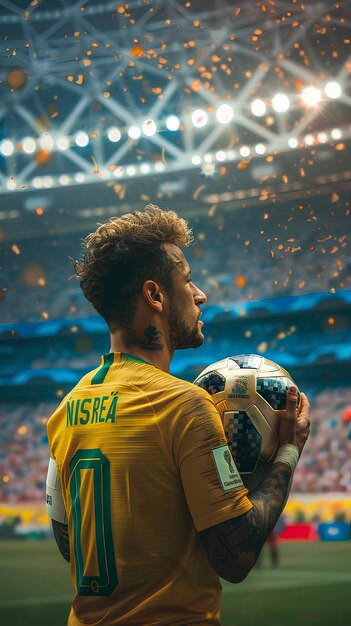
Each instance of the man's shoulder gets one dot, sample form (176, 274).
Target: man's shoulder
(179, 387)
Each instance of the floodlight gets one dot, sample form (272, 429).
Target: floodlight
(62, 143)
(199, 118)
(260, 148)
(224, 113)
(29, 145)
(333, 90)
(82, 139)
(311, 96)
(149, 128)
(280, 103)
(258, 107)
(172, 122)
(336, 133)
(114, 134)
(134, 132)
(6, 147)
(46, 142)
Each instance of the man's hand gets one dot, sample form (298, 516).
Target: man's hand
(233, 547)
(295, 425)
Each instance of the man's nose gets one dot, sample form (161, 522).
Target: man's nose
(201, 297)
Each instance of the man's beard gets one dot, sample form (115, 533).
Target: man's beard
(182, 334)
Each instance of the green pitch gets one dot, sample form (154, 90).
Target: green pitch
(311, 587)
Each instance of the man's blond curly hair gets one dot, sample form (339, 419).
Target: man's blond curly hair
(123, 253)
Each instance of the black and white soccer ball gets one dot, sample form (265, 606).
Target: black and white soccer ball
(250, 394)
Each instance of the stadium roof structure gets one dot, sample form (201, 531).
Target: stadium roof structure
(210, 101)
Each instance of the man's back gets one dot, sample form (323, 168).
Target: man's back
(133, 448)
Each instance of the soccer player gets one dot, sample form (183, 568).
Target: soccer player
(145, 502)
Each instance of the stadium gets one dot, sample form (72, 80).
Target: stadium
(236, 116)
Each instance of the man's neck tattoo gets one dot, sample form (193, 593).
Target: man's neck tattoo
(152, 339)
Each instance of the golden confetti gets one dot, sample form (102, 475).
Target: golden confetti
(43, 157)
(137, 51)
(45, 315)
(22, 430)
(120, 190)
(196, 85)
(240, 281)
(15, 249)
(243, 165)
(198, 191)
(96, 167)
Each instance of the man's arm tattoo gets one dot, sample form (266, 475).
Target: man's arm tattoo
(246, 534)
(62, 538)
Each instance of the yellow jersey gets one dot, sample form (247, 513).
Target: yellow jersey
(139, 455)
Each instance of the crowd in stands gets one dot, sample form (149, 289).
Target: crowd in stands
(236, 255)
(325, 466)
(23, 451)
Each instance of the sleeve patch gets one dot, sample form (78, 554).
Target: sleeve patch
(55, 507)
(227, 472)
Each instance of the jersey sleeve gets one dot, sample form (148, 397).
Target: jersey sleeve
(55, 507)
(212, 484)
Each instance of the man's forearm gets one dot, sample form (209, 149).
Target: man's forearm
(268, 501)
(234, 546)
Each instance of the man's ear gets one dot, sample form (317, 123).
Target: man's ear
(153, 295)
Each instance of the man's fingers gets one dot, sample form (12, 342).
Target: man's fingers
(291, 401)
(292, 392)
(305, 408)
(304, 401)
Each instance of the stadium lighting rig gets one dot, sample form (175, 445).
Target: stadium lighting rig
(88, 89)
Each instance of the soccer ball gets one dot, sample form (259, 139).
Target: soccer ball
(249, 392)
